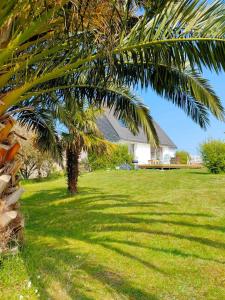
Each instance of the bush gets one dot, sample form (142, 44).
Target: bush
(182, 157)
(55, 173)
(116, 157)
(213, 156)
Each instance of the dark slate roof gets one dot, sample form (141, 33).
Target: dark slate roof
(164, 139)
(107, 129)
(114, 131)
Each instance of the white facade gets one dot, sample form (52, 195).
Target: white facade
(140, 151)
(195, 159)
(143, 152)
(167, 154)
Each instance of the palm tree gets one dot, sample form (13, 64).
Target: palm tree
(82, 135)
(78, 120)
(164, 48)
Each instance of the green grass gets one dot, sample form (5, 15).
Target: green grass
(127, 235)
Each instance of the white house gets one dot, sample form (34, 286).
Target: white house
(115, 131)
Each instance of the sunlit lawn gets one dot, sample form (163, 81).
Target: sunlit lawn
(127, 235)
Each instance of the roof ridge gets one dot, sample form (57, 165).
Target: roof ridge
(124, 133)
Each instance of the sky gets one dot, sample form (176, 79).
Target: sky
(180, 128)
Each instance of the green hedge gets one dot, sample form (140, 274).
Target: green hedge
(213, 156)
(182, 157)
(116, 157)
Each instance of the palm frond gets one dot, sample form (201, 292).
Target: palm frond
(42, 123)
(185, 87)
(181, 31)
(172, 33)
(122, 100)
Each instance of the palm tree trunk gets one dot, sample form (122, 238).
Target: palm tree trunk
(72, 164)
(11, 220)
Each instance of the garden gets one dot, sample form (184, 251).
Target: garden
(100, 228)
(126, 235)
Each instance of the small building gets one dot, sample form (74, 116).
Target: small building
(116, 131)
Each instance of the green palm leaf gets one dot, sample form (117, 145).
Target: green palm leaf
(39, 120)
(169, 36)
(124, 103)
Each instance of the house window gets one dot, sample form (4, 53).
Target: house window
(156, 153)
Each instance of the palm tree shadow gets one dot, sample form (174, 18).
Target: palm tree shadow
(170, 251)
(90, 217)
(200, 240)
(74, 285)
(47, 196)
(79, 216)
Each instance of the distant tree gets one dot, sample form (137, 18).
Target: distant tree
(213, 156)
(34, 162)
(182, 157)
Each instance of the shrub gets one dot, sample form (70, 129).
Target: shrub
(182, 157)
(118, 156)
(55, 173)
(213, 156)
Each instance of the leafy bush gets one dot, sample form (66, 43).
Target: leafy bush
(56, 173)
(118, 156)
(182, 157)
(213, 156)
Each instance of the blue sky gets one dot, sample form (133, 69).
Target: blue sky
(182, 130)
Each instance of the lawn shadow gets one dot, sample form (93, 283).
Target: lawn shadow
(86, 218)
(202, 172)
(201, 240)
(46, 196)
(170, 251)
(79, 215)
(76, 286)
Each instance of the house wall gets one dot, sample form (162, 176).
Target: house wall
(83, 155)
(140, 151)
(167, 154)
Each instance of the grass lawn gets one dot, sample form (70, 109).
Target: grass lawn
(127, 235)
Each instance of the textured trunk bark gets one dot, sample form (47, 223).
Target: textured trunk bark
(72, 163)
(11, 220)
(39, 173)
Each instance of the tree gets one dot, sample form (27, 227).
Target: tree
(165, 48)
(78, 117)
(213, 155)
(34, 162)
(182, 157)
(83, 135)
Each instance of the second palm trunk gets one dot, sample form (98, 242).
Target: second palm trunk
(72, 168)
